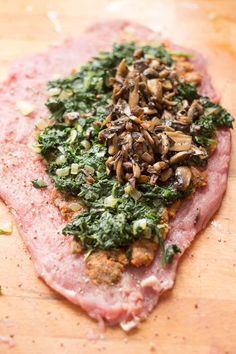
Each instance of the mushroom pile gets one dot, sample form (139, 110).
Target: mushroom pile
(146, 130)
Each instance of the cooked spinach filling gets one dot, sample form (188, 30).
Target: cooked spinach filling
(94, 112)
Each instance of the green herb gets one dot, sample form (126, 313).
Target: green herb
(214, 117)
(216, 114)
(170, 253)
(186, 92)
(39, 183)
(159, 52)
(181, 54)
(51, 138)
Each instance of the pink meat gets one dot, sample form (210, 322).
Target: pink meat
(38, 219)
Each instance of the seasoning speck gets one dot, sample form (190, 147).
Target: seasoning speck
(152, 347)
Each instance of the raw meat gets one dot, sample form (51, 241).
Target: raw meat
(40, 222)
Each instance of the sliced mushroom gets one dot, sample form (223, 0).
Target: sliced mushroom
(153, 179)
(185, 120)
(137, 111)
(128, 166)
(199, 151)
(129, 126)
(155, 64)
(147, 131)
(138, 53)
(151, 169)
(168, 102)
(150, 73)
(148, 137)
(164, 73)
(165, 175)
(167, 85)
(147, 157)
(149, 111)
(160, 165)
(165, 144)
(140, 65)
(193, 77)
(119, 169)
(183, 177)
(155, 88)
(195, 110)
(168, 116)
(151, 124)
(110, 165)
(113, 148)
(122, 69)
(180, 156)
(136, 119)
(134, 95)
(136, 170)
(182, 142)
(169, 96)
(123, 107)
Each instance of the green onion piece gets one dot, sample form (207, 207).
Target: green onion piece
(85, 144)
(39, 183)
(110, 202)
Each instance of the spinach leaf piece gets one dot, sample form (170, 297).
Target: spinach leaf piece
(169, 254)
(39, 183)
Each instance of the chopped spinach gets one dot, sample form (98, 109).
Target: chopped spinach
(108, 227)
(214, 117)
(186, 92)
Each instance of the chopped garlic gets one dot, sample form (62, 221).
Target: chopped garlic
(89, 169)
(6, 227)
(63, 172)
(25, 107)
(74, 169)
(85, 144)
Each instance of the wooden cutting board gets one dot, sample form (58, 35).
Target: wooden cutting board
(199, 314)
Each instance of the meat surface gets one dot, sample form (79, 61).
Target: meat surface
(39, 221)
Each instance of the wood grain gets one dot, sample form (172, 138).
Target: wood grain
(199, 315)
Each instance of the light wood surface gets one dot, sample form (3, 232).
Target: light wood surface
(199, 314)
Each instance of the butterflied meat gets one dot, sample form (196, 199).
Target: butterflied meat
(39, 220)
